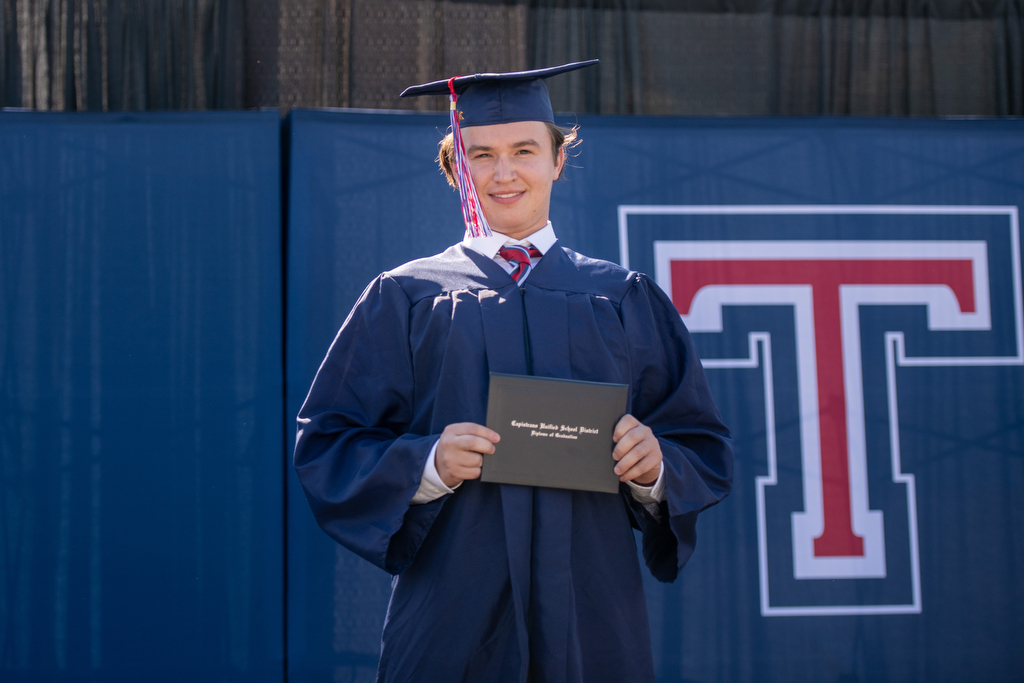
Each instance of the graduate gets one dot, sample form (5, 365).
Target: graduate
(502, 582)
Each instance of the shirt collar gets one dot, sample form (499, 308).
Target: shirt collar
(542, 240)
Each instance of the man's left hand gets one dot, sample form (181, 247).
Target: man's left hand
(637, 451)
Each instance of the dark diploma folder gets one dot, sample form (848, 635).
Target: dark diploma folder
(554, 432)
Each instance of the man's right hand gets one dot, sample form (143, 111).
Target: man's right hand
(461, 450)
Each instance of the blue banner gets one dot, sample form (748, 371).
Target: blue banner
(141, 533)
(854, 288)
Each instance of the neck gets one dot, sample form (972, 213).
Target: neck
(523, 234)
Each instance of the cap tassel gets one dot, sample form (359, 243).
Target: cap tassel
(472, 214)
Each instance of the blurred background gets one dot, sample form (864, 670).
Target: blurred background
(659, 57)
(193, 193)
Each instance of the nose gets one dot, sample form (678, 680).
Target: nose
(504, 170)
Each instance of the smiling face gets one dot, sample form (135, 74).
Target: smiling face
(513, 167)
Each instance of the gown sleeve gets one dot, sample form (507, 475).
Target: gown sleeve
(358, 465)
(670, 394)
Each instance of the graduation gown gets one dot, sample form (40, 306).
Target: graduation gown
(499, 582)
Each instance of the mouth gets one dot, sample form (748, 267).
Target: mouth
(506, 197)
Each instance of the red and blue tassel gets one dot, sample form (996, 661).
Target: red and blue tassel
(472, 213)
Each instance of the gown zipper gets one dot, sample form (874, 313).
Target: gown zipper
(526, 333)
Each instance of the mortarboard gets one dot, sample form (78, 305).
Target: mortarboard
(486, 99)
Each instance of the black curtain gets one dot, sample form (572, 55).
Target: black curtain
(663, 57)
(98, 55)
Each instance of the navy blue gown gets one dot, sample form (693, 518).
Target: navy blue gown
(499, 582)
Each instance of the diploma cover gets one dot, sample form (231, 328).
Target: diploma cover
(554, 432)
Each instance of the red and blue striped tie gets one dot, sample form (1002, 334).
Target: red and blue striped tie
(519, 257)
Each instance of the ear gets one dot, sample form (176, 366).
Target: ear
(559, 162)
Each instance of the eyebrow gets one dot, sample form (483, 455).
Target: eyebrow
(515, 145)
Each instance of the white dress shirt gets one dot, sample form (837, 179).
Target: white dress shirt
(431, 486)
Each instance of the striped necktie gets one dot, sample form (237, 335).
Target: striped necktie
(519, 257)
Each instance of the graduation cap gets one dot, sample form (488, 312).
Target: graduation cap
(486, 99)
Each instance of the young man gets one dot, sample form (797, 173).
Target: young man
(498, 582)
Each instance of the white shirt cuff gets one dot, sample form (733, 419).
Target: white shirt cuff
(655, 493)
(431, 486)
